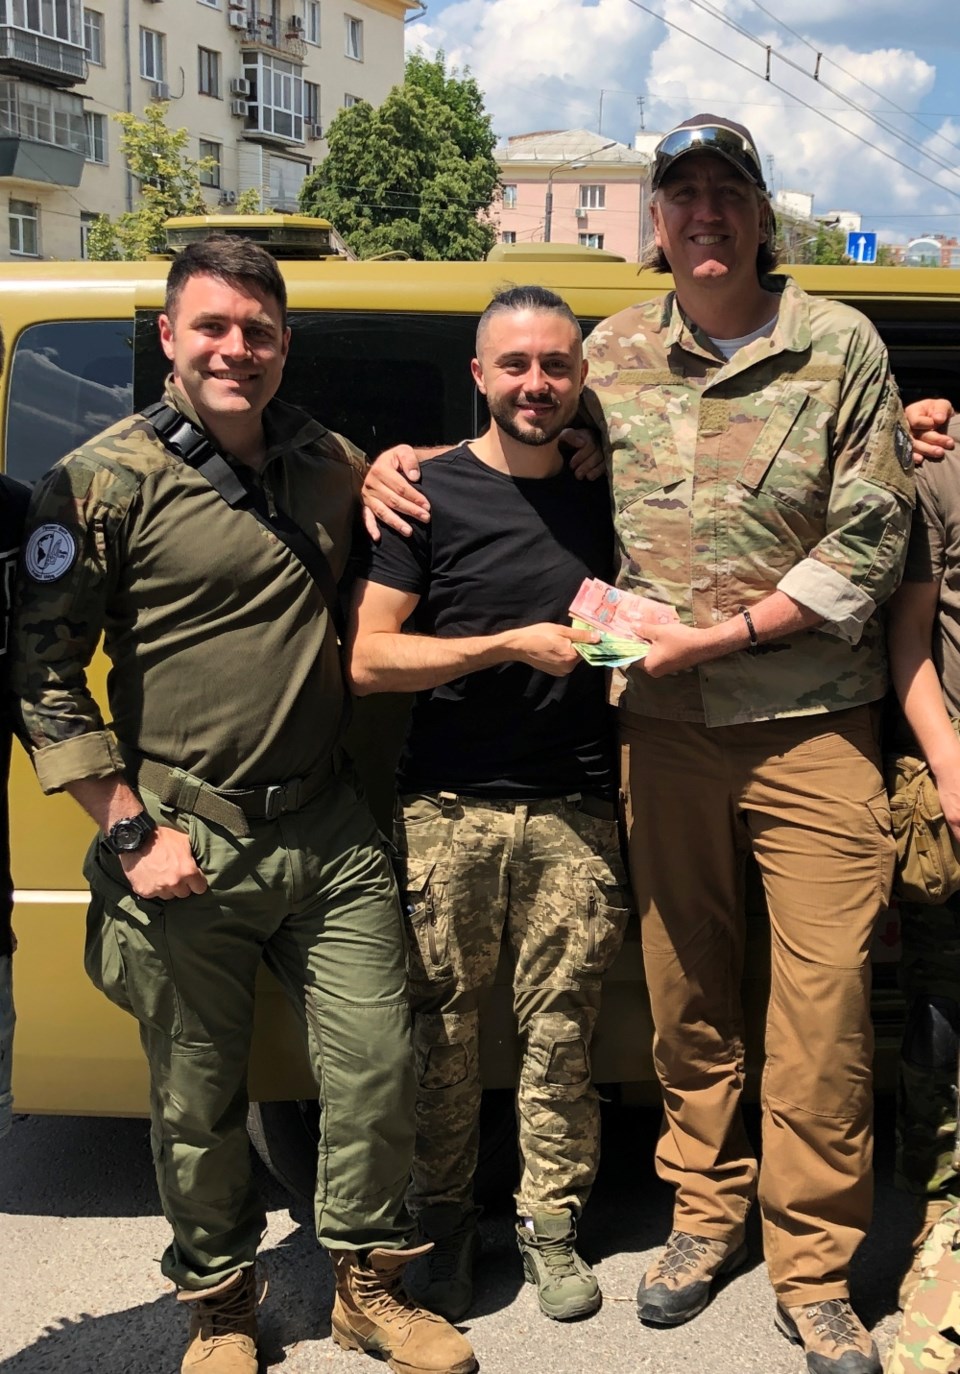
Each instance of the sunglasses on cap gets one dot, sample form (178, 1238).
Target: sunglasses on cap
(708, 138)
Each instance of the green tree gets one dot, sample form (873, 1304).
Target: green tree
(168, 183)
(413, 175)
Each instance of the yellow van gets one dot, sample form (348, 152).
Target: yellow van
(381, 352)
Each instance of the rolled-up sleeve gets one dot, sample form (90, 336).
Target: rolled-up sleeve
(858, 563)
(65, 578)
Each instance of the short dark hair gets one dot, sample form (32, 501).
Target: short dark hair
(526, 298)
(230, 259)
(768, 254)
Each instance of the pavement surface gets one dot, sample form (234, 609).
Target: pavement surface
(81, 1236)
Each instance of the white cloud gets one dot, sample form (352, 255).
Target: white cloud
(544, 63)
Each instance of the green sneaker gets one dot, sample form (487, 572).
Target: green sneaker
(566, 1285)
(442, 1281)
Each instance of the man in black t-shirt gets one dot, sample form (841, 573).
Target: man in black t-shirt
(508, 814)
(13, 508)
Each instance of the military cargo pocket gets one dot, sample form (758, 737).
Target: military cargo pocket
(604, 905)
(131, 961)
(424, 907)
(444, 1067)
(569, 1063)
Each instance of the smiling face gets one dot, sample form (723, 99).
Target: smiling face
(228, 345)
(709, 221)
(531, 370)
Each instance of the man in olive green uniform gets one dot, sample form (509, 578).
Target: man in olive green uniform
(231, 827)
(762, 481)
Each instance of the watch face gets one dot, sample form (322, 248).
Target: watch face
(129, 834)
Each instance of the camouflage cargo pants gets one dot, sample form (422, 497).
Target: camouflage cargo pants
(927, 1088)
(549, 875)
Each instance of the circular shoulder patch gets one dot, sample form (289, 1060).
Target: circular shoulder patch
(51, 551)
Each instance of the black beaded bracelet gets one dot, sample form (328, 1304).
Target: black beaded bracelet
(754, 641)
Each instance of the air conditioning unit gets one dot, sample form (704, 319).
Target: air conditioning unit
(239, 107)
(580, 212)
(228, 197)
(161, 91)
(314, 131)
(295, 24)
(239, 85)
(237, 19)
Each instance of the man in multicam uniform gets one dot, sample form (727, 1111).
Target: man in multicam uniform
(508, 819)
(231, 828)
(925, 664)
(763, 485)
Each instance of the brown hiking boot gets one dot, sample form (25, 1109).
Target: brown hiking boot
(833, 1336)
(929, 1212)
(223, 1326)
(371, 1312)
(677, 1285)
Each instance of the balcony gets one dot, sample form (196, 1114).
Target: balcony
(42, 134)
(276, 37)
(36, 54)
(275, 108)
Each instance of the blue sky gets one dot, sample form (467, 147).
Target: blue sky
(544, 64)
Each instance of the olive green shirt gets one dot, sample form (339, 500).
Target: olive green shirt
(787, 467)
(224, 661)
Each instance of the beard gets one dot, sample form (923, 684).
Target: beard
(503, 414)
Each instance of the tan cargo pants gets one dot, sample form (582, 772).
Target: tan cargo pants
(806, 796)
(548, 873)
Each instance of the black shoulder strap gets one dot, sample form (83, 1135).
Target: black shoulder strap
(180, 436)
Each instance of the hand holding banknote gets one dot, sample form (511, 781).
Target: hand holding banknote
(620, 617)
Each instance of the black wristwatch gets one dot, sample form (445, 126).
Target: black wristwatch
(129, 834)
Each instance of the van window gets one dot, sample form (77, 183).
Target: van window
(380, 379)
(67, 382)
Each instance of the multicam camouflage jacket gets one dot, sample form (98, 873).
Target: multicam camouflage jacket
(222, 663)
(788, 467)
(928, 1341)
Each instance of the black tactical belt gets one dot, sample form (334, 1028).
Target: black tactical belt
(230, 808)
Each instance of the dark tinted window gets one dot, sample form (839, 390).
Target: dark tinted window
(380, 379)
(68, 381)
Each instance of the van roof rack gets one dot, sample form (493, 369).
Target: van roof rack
(550, 252)
(285, 236)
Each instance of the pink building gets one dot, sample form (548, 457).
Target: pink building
(574, 186)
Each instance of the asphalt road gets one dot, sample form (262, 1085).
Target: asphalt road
(81, 1233)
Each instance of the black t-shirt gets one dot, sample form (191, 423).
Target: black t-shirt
(13, 509)
(500, 552)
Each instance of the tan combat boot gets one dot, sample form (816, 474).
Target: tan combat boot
(371, 1312)
(832, 1335)
(223, 1326)
(929, 1212)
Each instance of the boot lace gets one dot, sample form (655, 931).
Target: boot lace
(834, 1321)
(558, 1257)
(383, 1297)
(681, 1254)
(229, 1314)
(444, 1258)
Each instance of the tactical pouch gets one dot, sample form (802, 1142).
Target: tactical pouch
(928, 856)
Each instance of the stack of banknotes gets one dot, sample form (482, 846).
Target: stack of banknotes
(619, 616)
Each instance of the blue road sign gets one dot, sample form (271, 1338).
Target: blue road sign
(861, 247)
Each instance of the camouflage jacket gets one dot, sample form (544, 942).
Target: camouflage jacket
(787, 467)
(928, 1341)
(222, 663)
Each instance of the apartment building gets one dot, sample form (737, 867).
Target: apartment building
(574, 186)
(255, 82)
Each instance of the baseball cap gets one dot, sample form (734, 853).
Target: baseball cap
(707, 133)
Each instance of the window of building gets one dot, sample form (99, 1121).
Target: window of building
(311, 21)
(209, 63)
(213, 4)
(93, 36)
(43, 114)
(509, 197)
(311, 102)
(278, 98)
(210, 176)
(87, 220)
(592, 197)
(349, 100)
(53, 18)
(151, 55)
(590, 240)
(354, 38)
(24, 228)
(96, 136)
(508, 236)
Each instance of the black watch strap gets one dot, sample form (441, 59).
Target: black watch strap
(127, 835)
